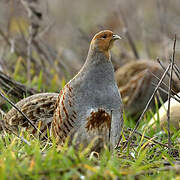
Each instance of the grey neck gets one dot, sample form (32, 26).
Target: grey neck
(97, 68)
(95, 58)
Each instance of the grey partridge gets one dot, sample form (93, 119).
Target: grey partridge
(90, 105)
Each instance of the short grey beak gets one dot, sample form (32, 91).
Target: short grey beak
(115, 37)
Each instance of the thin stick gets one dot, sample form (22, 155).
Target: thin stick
(161, 89)
(162, 65)
(169, 95)
(146, 107)
(12, 104)
(122, 18)
(147, 137)
(20, 137)
(165, 84)
(176, 70)
(131, 43)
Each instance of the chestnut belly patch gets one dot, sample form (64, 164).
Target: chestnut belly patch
(99, 119)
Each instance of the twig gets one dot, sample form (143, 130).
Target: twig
(20, 137)
(147, 137)
(146, 107)
(169, 95)
(176, 70)
(129, 37)
(12, 104)
(131, 43)
(165, 84)
(126, 32)
(158, 60)
(161, 89)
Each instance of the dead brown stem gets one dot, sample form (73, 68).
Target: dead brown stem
(146, 107)
(169, 95)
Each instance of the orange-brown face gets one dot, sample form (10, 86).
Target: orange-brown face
(103, 41)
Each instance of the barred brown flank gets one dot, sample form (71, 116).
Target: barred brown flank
(64, 109)
(70, 95)
(70, 104)
(64, 132)
(63, 96)
(74, 116)
(72, 120)
(60, 117)
(69, 123)
(59, 132)
(55, 130)
(58, 125)
(74, 112)
(66, 126)
(70, 89)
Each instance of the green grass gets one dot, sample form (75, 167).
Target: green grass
(143, 160)
(38, 161)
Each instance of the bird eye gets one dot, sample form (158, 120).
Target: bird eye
(104, 36)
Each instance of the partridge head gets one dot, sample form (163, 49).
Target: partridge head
(89, 106)
(103, 42)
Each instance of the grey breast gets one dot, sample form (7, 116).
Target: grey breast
(96, 88)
